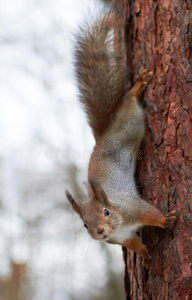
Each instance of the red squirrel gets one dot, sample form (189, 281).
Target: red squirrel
(114, 211)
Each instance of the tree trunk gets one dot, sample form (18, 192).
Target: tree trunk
(159, 37)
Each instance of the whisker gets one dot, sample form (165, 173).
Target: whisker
(89, 244)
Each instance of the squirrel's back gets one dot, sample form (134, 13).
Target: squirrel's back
(100, 70)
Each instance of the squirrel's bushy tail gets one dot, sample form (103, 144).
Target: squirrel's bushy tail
(100, 70)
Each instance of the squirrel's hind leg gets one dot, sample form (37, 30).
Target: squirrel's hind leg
(144, 77)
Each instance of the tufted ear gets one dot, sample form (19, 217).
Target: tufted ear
(75, 206)
(99, 193)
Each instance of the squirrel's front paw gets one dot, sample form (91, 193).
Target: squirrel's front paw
(145, 75)
(171, 217)
(147, 257)
(147, 262)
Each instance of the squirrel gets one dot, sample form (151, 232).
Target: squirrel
(115, 210)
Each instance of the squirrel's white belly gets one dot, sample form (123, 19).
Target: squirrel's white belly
(124, 233)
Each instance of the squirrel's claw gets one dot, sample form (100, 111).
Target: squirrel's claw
(171, 217)
(147, 262)
(148, 258)
(145, 75)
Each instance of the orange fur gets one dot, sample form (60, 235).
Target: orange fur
(140, 85)
(137, 246)
(156, 218)
(153, 219)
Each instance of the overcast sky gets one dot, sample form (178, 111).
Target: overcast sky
(37, 76)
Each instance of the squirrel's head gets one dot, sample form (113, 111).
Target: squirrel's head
(99, 215)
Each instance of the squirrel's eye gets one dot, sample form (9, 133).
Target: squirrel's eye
(85, 225)
(106, 212)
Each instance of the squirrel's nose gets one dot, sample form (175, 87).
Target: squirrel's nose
(100, 230)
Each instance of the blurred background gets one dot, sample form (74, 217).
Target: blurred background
(45, 252)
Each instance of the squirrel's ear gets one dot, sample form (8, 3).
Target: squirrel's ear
(75, 206)
(99, 192)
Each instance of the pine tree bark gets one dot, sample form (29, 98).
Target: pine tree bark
(159, 37)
